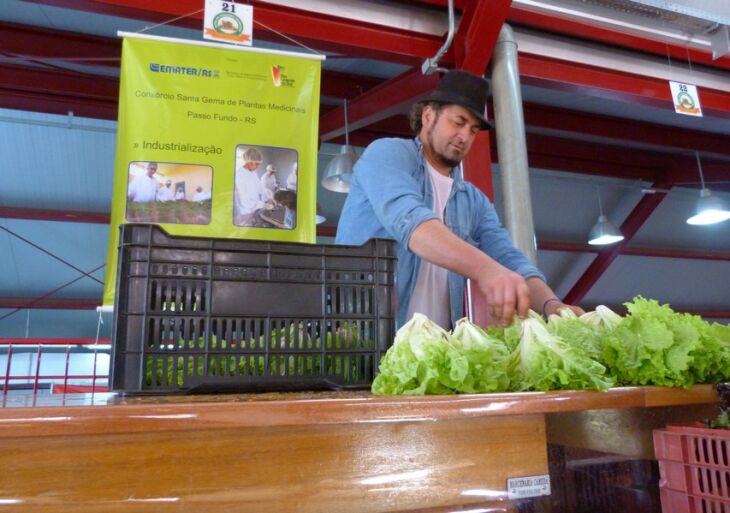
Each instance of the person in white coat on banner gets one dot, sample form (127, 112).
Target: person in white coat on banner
(269, 183)
(248, 191)
(164, 194)
(143, 188)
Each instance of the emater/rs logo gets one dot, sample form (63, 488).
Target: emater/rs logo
(184, 70)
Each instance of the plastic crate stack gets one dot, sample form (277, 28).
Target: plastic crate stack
(220, 315)
(694, 467)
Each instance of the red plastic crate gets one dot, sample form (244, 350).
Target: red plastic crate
(694, 469)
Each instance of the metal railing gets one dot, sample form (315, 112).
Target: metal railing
(54, 365)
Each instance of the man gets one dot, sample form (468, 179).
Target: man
(447, 230)
(143, 188)
(200, 194)
(269, 183)
(291, 180)
(248, 195)
(165, 193)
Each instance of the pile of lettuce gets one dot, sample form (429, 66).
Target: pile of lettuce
(292, 351)
(651, 345)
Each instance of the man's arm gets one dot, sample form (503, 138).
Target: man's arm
(505, 290)
(544, 300)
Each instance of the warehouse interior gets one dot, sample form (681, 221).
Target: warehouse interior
(598, 113)
(267, 376)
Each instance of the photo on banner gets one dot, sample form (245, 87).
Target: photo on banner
(156, 193)
(265, 188)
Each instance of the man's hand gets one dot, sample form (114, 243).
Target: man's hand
(505, 291)
(554, 307)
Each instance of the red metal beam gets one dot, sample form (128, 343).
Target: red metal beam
(618, 129)
(478, 165)
(37, 42)
(58, 92)
(612, 84)
(685, 171)
(62, 83)
(613, 158)
(381, 102)
(42, 214)
(346, 85)
(50, 303)
(550, 152)
(674, 253)
(594, 32)
(629, 228)
(478, 31)
(585, 157)
(328, 33)
(56, 105)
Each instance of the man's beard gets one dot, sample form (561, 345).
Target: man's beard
(440, 157)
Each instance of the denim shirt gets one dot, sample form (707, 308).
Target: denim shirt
(390, 195)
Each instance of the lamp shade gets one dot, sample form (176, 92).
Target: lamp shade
(338, 174)
(603, 233)
(710, 209)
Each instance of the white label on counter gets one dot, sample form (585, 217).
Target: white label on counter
(529, 486)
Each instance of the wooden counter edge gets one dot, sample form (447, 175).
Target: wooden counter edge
(159, 416)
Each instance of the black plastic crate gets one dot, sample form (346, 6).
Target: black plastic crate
(224, 315)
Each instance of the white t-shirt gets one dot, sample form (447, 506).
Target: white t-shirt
(248, 192)
(431, 293)
(164, 194)
(201, 196)
(143, 189)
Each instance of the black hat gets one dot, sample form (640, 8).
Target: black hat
(465, 89)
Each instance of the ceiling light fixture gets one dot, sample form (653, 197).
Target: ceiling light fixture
(710, 209)
(338, 174)
(603, 232)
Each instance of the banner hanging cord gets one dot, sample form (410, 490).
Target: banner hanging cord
(170, 21)
(288, 38)
(145, 29)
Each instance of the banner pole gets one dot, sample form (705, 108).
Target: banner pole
(134, 35)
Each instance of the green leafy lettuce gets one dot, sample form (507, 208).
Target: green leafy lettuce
(487, 357)
(543, 361)
(653, 345)
(422, 360)
(582, 333)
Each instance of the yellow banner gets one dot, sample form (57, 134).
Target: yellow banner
(215, 142)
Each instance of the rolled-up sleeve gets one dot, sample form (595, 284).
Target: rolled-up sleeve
(384, 176)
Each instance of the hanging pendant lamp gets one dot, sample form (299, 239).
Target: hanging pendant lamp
(603, 232)
(710, 209)
(338, 174)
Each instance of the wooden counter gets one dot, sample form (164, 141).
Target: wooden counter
(304, 452)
